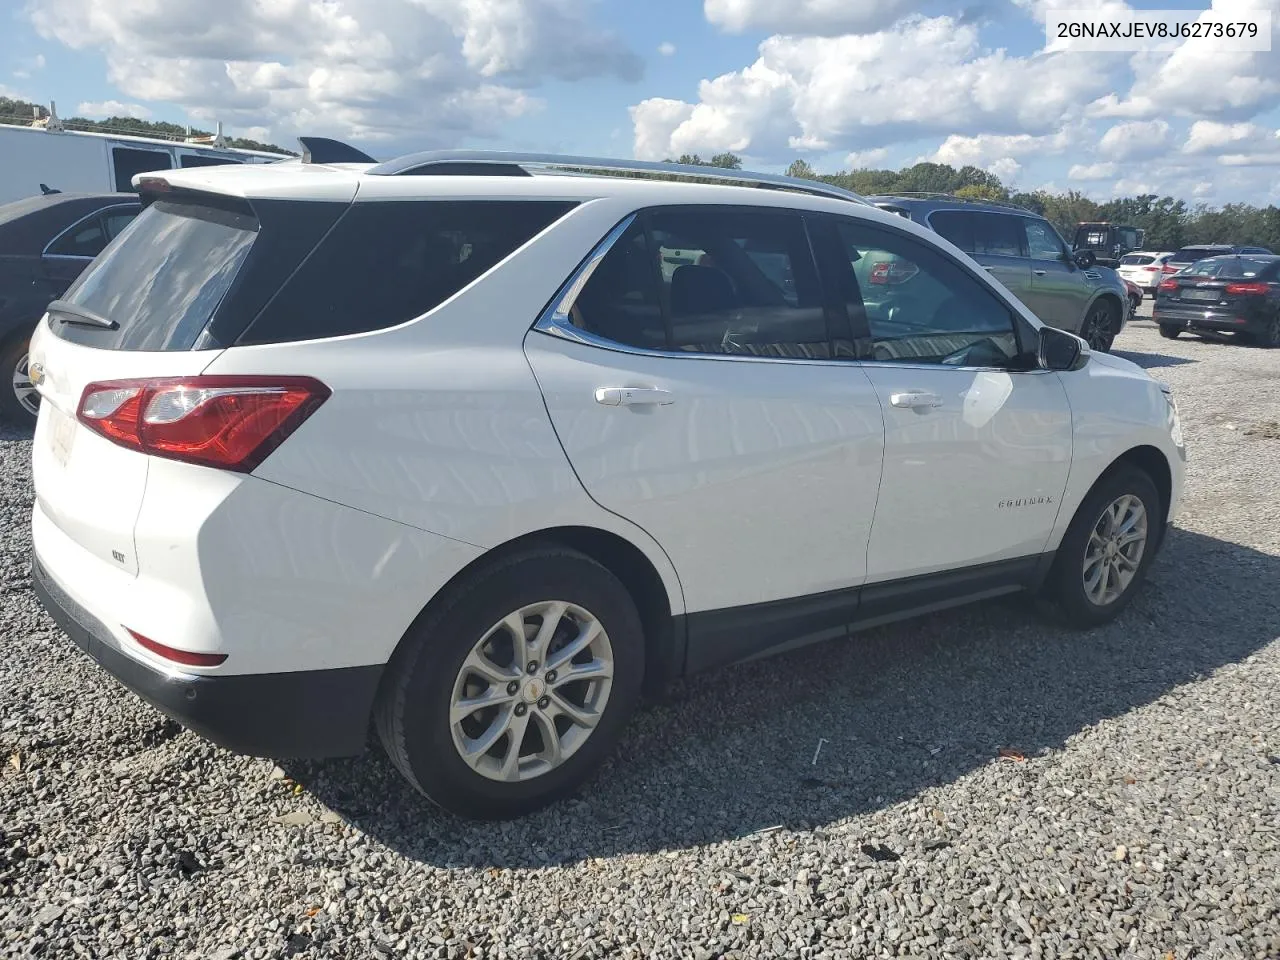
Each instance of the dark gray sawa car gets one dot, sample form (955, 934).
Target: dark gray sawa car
(1025, 253)
(45, 244)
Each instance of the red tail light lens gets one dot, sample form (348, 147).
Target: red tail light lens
(231, 423)
(1168, 284)
(893, 271)
(1248, 289)
(1168, 269)
(1151, 269)
(185, 657)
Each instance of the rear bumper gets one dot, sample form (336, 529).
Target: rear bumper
(303, 714)
(1191, 319)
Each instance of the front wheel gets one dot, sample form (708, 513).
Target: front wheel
(19, 402)
(1106, 550)
(1169, 331)
(1101, 326)
(515, 685)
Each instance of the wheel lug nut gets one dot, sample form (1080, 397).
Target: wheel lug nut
(551, 676)
(521, 709)
(532, 667)
(513, 687)
(544, 703)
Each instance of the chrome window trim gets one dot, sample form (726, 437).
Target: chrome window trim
(88, 216)
(554, 321)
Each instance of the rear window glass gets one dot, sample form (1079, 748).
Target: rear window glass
(1229, 268)
(161, 279)
(1135, 260)
(390, 261)
(1191, 254)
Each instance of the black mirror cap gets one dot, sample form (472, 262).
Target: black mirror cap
(1060, 350)
(1084, 259)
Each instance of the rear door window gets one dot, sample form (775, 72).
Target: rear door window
(85, 239)
(996, 234)
(387, 262)
(129, 162)
(161, 280)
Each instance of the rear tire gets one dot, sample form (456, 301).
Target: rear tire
(464, 650)
(19, 402)
(1270, 337)
(1169, 332)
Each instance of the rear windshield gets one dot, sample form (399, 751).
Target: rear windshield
(161, 279)
(1135, 260)
(1192, 254)
(1229, 268)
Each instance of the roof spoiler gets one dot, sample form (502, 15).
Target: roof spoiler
(324, 150)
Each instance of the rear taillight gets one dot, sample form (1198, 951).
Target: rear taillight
(893, 271)
(1168, 284)
(1151, 269)
(1248, 289)
(231, 423)
(1168, 269)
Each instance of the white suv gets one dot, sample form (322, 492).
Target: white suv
(476, 447)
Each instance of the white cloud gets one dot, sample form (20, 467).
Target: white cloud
(667, 48)
(1136, 140)
(112, 108)
(923, 76)
(987, 149)
(808, 17)
(434, 71)
(1092, 171)
(866, 159)
(1207, 136)
(1006, 168)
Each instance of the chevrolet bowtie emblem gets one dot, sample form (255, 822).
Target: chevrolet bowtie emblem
(36, 373)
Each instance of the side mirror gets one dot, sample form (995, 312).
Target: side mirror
(1059, 350)
(1084, 259)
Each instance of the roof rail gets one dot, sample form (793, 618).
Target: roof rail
(936, 195)
(504, 163)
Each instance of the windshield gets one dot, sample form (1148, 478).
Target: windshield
(1228, 268)
(161, 279)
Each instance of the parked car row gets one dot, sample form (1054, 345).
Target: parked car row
(595, 432)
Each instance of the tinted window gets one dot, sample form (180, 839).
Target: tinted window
(1135, 260)
(116, 220)
(918, 305)
(388, 262)
(956, 226)
(162, 278)
(1192, 254)
(1043, 242)
(709, 281)
(980, 234)
(85, 239)
(129, 162)
(195, 160)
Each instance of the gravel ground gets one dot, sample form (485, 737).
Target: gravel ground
(987, 786)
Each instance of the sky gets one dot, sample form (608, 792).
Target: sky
(839, 83)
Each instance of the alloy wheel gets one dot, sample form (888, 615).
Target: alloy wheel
(1114, 550)
(23, 389)
(531, 691)
(1098, 332)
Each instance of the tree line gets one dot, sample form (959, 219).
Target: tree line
(21, 113)
(1170, 223)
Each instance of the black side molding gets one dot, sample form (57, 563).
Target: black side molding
(324, 150)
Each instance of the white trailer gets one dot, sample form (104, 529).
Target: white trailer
(36, 159)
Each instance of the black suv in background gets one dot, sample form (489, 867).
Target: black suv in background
(1107, 241)
(1024, 252)
(45, 243)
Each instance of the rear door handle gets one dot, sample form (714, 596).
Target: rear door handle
(915, 399)
(1038, 273)
(633, 396)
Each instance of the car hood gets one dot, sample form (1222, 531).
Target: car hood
(1118, 364)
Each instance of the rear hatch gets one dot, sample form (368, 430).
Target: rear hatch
(1218, 285)
(159, 302)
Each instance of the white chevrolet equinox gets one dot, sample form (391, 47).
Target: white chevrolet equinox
(473, 448)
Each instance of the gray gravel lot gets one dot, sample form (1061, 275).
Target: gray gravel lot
(1139, 816)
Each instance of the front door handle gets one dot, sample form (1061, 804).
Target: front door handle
(915, 399)
(633, 396)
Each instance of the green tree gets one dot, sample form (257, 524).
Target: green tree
(802, 170)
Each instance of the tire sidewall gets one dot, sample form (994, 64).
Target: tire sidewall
(1068, 585)
(11, 411)
(444, 642)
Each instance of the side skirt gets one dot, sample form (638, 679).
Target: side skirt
(732, 634)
